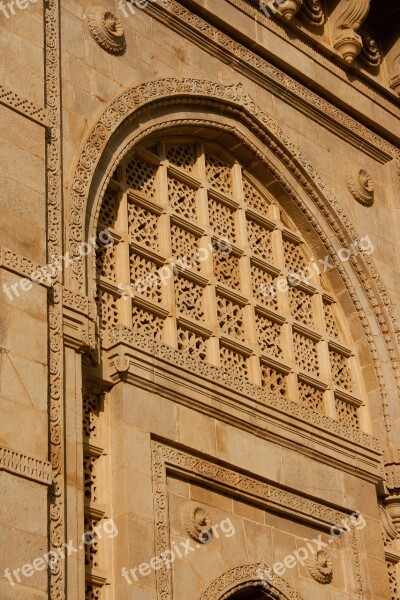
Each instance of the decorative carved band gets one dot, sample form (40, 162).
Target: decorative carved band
(25, 466)
(23, 107)
(20, 265)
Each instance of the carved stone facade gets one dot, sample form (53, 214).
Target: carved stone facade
(199, 324)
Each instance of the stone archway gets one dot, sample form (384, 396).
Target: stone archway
(244, 582)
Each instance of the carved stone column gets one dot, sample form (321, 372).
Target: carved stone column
(350, 16)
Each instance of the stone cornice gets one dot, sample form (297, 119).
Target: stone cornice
(258, 69)
(23, 107)
(25, 466)
(139, 360)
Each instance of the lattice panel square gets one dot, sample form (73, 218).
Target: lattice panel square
(230, 318)
(269, 336)
(91, 417)
(192, 343)
(330, 322)
(184, 247)
(222, 220)
(92, 550)
(294, 258)
(341, 372)
(311, 397)
(219, 173)
(144, 277)
(232, 362)
(107, 306)
(301, 306)
(182, 156)
(146, 323)
(260, 240)
(227, 269)
(306, 353)
(106, 262)
(347, 413)
(254, 199)
(182, 199)
(189, 298)
(264, 287)
(141, 176)
(90, 477)
(273, 380)
(109, 209)
(143, 226)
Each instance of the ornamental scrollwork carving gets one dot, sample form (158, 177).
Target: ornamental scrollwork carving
(197, 523)
(370, 54)
(346, 40)
(361, 186)
(107, 30)
(312, 13)
(320, 567)
(394, 67)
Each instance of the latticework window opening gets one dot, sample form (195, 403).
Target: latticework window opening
(205, 261)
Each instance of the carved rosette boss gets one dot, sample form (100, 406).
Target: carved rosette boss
(197, 523)
(320, 567)
(361, 185)
(107, 30)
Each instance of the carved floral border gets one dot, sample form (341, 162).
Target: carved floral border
(271, 496)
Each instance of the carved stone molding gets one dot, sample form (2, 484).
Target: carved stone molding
(351, 15)
(21, 266)
(320, 567)
(361, 185)
(235, 482)
(22, 106)
(312, 13)
(25, 466)
(197, 522)
(107, 30)
(247, 577)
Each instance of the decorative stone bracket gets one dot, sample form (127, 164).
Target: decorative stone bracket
(79, 323)
(346, 40)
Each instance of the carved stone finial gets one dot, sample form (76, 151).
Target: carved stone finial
(107, 30)
(313, 13)
(289, 8)
(351, 15)
(320, 567)
(197, 523)
(361, 185)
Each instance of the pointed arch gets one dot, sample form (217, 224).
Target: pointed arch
(154, 107)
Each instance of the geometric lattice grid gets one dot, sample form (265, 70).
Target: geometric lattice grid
(204, 261)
